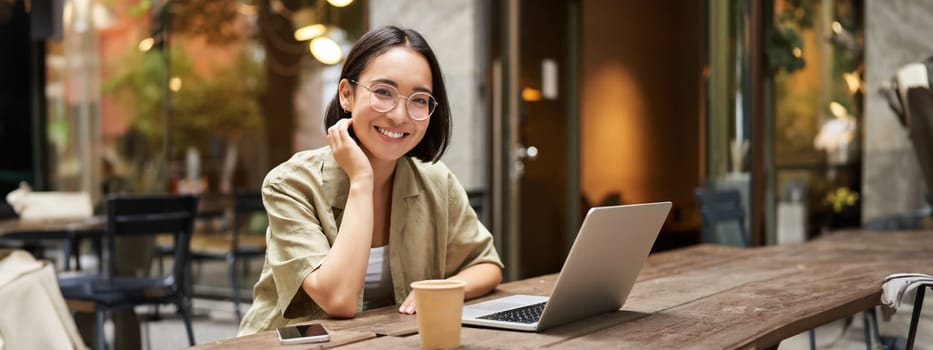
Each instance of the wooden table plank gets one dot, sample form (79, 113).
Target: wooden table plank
(749, 314)
(679, 260)
(703, 296)
(692, 284)
(686, 263)
(829, 280)
(386, 321)
(269, 340)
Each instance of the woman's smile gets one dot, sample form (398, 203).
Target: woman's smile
(392, 135)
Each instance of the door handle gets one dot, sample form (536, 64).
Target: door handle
(520, 154)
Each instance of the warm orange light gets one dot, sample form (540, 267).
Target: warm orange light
(531, 94)
(613, 116)
(247, 10)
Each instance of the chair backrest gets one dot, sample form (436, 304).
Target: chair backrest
(476, 198)
(723, 216)
(245, 204)
(153, 214)
(920, 128)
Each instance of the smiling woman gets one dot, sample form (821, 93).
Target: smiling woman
(351, 225)
(386, 130)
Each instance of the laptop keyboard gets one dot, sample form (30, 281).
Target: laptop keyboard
(524, 314)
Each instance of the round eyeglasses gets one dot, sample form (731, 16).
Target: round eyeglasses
(384, 98)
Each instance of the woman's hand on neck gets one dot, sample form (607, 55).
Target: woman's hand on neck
(354, 161)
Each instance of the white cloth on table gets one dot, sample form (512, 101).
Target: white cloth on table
(31, 205)
(34, 315)
(896, 285)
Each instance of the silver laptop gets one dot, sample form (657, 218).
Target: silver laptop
(597, 276)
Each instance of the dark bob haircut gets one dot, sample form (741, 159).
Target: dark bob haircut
(377, 42)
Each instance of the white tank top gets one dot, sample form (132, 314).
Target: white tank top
(378, 291)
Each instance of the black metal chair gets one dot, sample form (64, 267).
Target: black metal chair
(915, 315)
(136, 216)
(723, 216)
(244, 206)
(477, 199)
(237, 252)
(723, 219)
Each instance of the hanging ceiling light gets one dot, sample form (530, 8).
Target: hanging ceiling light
(339, 3)
(329, 48)
(307, 25)
(314, 23)
(326, 50)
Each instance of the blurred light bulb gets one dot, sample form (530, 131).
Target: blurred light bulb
(309, 32)
(838, 110)
(174, 84)
(531, 94)
(146, 44)
(306, 24)
(852, 82)
(326, 50)
(339, 3)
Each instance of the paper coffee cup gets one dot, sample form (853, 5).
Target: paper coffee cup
(438, 306)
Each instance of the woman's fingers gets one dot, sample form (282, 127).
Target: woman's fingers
(345, 130)
(336, 133)
(347, 152)
(408, 306)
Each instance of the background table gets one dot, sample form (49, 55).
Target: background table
(69, 231)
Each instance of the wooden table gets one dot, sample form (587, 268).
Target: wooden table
(698, 297)
(69, 231)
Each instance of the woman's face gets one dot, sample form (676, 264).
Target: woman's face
(388, 136)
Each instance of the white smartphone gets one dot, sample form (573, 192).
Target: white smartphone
(306, 333)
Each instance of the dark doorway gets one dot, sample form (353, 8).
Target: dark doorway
(16, 66)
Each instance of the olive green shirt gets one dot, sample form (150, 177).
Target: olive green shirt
(433, 232)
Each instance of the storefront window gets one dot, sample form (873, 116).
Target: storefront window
(194, 96)
(816, 56)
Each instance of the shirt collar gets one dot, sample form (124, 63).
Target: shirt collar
(337, 185)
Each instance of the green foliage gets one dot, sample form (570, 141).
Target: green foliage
(225, 104)
(799, 12)
(779, 52)
(142, 88)
(784, 39)
(140, 8)
(214, 20)
(222, 101)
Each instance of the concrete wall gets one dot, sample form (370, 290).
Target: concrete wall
(896, 33)
(451, 29)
